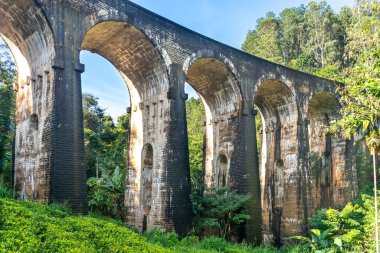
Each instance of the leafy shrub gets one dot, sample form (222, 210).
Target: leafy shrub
(322, 241)
(5, 192)
(220, 209)
(106, 194)
(350, 230)
(160, 237)
(31, 227)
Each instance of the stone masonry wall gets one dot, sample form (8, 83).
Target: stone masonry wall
(156, 57)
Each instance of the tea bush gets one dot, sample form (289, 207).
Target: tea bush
(32, 227)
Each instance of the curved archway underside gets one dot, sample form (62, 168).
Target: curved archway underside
(218, 87)
(132, 53)
(324, 152)
(24, 28)
(25, 25)
(273, 97)
(323, 104)
(279, 172)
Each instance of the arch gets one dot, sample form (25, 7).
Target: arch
(322, 104)
(222, 170)
(277, 104)
(145, 73)
(215, 83)
(209, 54)
(321, 109)
(221, 95)
(104, 16)
(33, 122)
(26, 30)
(274, 96)
(31, 34)
(132, 53)
(147, 155)
(146, 180)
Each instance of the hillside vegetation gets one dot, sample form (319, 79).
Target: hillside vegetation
(343, 46)
(33, 227)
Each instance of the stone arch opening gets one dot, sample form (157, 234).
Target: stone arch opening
(145, 73)
(22, 65)
(105, 103)
(146, 183)
(278, 117)
(33, 122)
(26, 31)
(222, 170)
(132, 53)
(219, 91)
(322, 108)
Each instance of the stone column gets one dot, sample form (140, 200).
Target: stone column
(180, 209)
(251, 168)
(159, 122)
(68, 173)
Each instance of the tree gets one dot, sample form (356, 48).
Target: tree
(305, 38)
(293, 33)
(264, 40)
(221, 209)
(195, 117)
(106, 144)
(106, 147)
(361, 95)
(7, 108)
(325, 34)
(106, 194)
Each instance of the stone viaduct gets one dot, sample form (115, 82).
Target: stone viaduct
(301, 169)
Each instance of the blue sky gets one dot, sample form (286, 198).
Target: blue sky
(227, 21)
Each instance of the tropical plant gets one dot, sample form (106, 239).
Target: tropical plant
(195, 113)
(322, 241)
(222, 209)
(106, 194)
(7, 107)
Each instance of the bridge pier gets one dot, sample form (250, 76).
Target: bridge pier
(254, 225)
(156, 57)
(168, 204)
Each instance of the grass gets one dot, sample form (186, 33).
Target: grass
(33, 227)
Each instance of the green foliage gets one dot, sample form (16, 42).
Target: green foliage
(31, 227)
(106, 151)
(195, 113)
(306, 38)
(106, 143)
(259, 132)
(221, 209)
(106, 194)
(7, 107)
(348, 230)
(322, 241)
(264, 41)
(324, 34)
(193, 244)
(364, 167)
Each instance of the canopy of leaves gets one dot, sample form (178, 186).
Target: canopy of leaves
(7, 108)
(342, 46)
(106, 158)
(195, 118)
